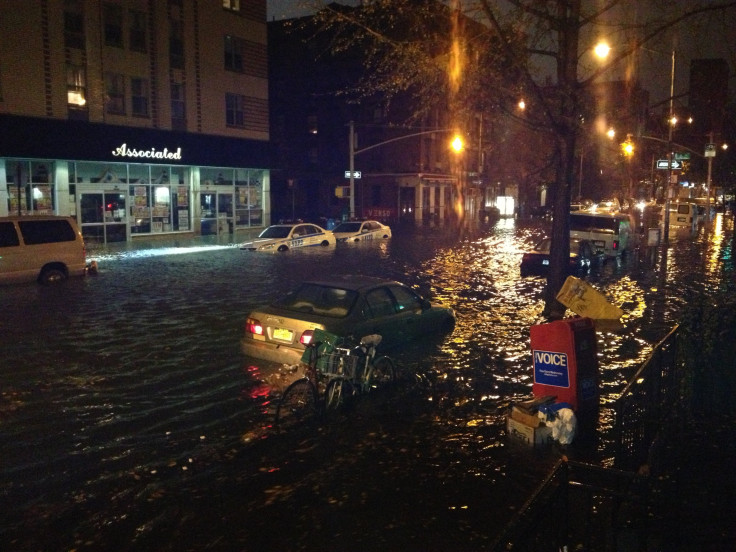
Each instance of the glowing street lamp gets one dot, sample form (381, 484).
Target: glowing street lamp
(457, 144)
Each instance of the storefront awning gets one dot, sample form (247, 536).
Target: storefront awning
(41, 138)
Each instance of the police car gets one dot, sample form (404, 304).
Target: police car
(361, 230)
(282, 237)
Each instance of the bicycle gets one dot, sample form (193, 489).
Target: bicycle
(341, 371)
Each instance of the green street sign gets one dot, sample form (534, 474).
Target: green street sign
(682, 156)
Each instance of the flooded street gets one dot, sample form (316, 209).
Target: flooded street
(129, 419)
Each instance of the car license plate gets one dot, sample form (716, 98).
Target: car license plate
(282, 334)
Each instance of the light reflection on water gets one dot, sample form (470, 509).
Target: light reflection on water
(135, 377)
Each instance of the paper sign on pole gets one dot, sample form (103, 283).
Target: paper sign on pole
(584, 300)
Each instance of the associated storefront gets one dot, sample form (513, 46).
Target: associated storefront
(121, 182)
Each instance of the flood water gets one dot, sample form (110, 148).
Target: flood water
(129, 419)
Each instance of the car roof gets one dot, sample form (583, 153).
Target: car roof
(354, 282)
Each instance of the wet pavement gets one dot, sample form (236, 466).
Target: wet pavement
(129, 420)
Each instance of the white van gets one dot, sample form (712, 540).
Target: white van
(609, 232)
(683, 216)
(46, 249)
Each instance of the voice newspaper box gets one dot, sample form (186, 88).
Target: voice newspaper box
(565, 360)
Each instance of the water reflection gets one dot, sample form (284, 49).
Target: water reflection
(126, 405)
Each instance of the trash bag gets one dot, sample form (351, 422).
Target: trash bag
(562, 420)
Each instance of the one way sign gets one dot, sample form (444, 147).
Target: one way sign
(662, 164)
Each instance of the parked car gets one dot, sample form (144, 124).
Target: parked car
(357, 231)
(347, 306)
(583, 257)
(282, 237)
(46, 249)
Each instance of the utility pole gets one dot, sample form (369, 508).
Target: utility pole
(352, 169)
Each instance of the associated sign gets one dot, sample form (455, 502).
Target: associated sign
(551, 368)
(662, 164)
(710, 150)
(356, 174)
(152, 153)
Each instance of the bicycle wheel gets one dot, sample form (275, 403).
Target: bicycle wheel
(337, 392)
(298, 404)
(381, 373)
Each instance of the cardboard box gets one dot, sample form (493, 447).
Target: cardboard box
(532, 436)
(519, 415)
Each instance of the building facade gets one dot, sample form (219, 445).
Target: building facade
(137, 117)
(400, 173)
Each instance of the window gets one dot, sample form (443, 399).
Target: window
(8, 235)
(312, 126)
(234, 53)
(176, 44)
(379, 303)
(139, 97)
(178, 107)
(234, 110)
(115, 94)
(138, 34)
(406, 299)
(112, 25)
(232, 5)
(73, 24)
(76, 87)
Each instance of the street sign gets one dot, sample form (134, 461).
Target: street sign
(662, 164)
(356, 174)
(682, 156)
(710, 150)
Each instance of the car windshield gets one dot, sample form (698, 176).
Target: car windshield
(276, 232)
(348, 227)
(319, 299)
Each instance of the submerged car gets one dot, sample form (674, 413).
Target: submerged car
(282, 237)
(347, 306)
(356, 231)
(583, 257)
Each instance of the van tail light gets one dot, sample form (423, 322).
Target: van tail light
(253, 326)
(306, 337)
(615, 245)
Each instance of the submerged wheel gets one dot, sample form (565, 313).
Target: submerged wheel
(337, 392)
(298, 405)
(282, 248)
(325, 243)
(381, 374)
(52, 275)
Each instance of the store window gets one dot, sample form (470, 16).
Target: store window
(31, 187)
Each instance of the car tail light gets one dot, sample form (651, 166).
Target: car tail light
(253, 326)
(615, 245)
(306, 337)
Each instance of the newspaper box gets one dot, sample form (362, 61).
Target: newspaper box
(566, 363)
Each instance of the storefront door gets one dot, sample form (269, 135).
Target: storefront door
(103, 216)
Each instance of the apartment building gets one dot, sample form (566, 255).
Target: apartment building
(137, 117)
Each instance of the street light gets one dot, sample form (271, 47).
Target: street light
(353, 151)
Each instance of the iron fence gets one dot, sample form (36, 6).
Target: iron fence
(582, 506)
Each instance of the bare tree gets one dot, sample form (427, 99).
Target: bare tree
(482, 55)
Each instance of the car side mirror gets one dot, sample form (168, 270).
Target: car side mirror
(426, 304)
